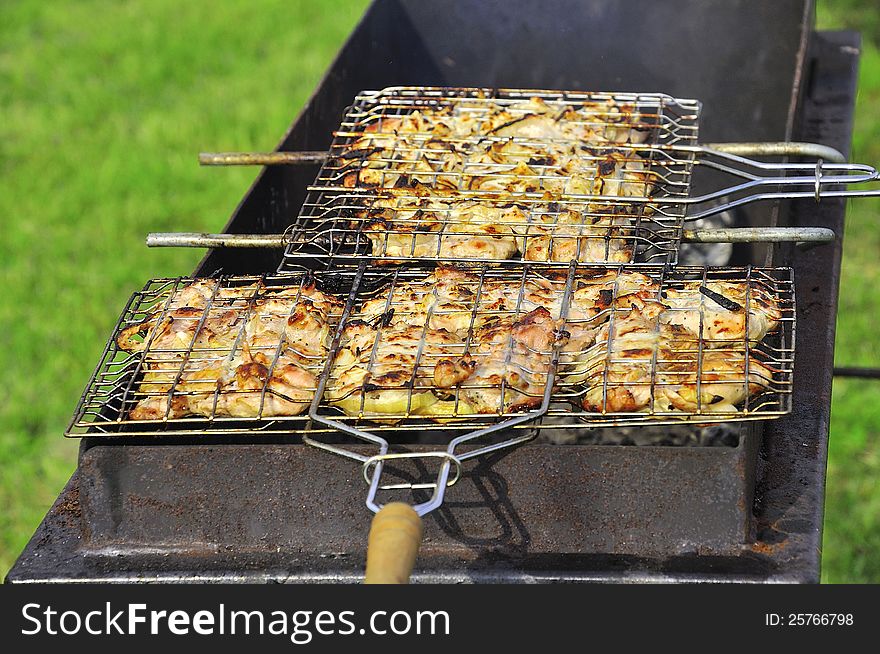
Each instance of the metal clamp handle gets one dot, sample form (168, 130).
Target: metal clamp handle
(714, 235)
(261, 158)
(374, 460)
(782, 149)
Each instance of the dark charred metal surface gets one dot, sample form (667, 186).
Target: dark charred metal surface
(792, 462)
(284, 512)
(279, 510)
(539, 500)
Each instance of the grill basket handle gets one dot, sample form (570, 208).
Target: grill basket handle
(781, 149)
(395, 537)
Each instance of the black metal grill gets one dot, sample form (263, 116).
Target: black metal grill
(750, 510)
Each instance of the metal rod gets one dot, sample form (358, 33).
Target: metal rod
(261, 158)
(760, 235)
(783, 149)
(202, 240)
(858, 373)
(723, 235)
(316, 156)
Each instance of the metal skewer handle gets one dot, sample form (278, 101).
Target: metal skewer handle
(261, 158)
(452, 456)
(726, 235)
(308, 157)
(791, 180)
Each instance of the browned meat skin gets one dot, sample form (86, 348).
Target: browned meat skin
(513, 354)
(254, 353)
(688, 307)
(230, 390)
(448, 373)
(646, 340)
(457, 343)
(570, 235)
(639, 348)
(389, 370)
(528, 146)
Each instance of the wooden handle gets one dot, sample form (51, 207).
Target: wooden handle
(395, 536)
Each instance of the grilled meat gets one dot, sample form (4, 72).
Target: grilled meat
(231, 352)
(455, 343)
(508, 368)
(450, 230)
(723, 320)
(389, 370)
(642, 363)
(505, 150)
(618, 335)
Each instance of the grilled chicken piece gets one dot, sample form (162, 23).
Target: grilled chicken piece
(462, 302)
(569, 235)
(688, 306)
(596, 122)
(184, 316)
(639, 347)
(450, 297)
(520, 147)
(231, 352)
(387, 370)
(305, 328)
(619, 332)
(462, 230)
(447, 294)
(617, 371)
(511, 336)
(450, 226)
(233, 389)
(724, 382)
(509, 367)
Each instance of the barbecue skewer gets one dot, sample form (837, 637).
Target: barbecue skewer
(792, 180)
(261, 158)
(308, 157)
(720, 235)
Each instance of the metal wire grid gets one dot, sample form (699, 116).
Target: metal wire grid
(335, 204)
(346, 227)
(665, 122)
(770, 359)
(123, 379)
(163, 373)
(414, 300)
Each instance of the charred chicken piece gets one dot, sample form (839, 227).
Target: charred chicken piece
(239, 352)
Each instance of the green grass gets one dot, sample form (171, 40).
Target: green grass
(852, 506)
(103, 107)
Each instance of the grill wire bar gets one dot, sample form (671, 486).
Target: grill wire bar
(449, 457)
(714, 235)
(310, 157)
(162, 375)
(389, 140)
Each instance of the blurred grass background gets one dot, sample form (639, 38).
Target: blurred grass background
(103, 106)
(851, 548)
